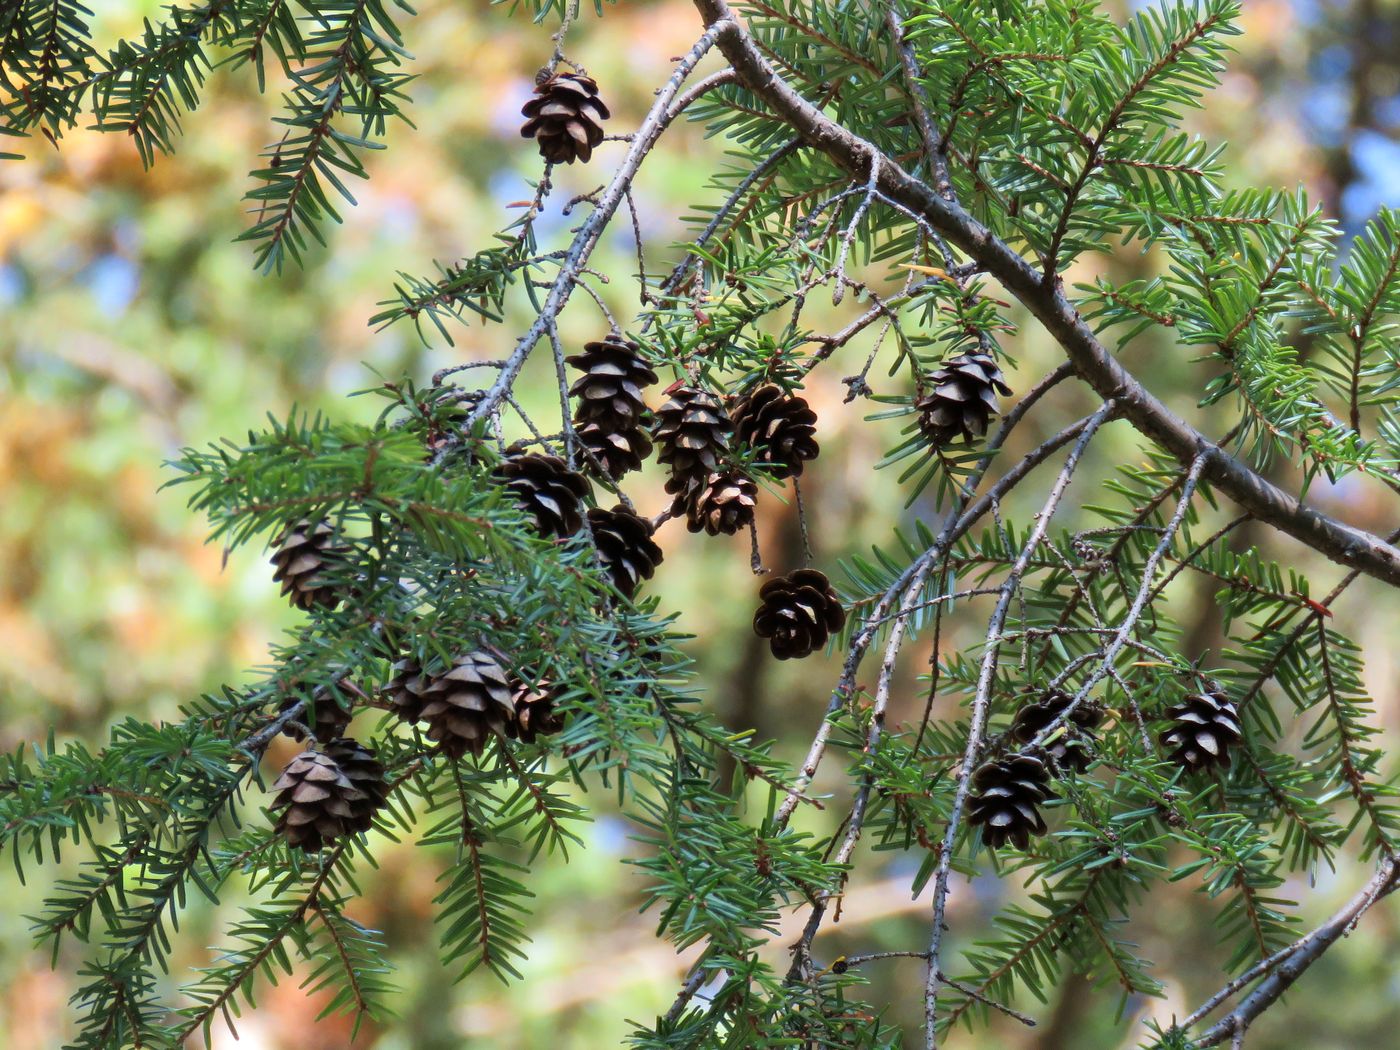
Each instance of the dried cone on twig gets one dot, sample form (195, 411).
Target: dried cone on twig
(1204, 727)
(468, 704)
(406, 690)
(1005, 798)
(615, 452)
(692, 435)
(797, 613)
(610, 390)
(548, 491)
(625, 546)
(324, 715)
(535, 713)
(1070, 749)
(316, 800)
(723, 504)
(778, 427)
(961, 400)
(565, 117)
(366, 774)
(611, 415)
(304, 550)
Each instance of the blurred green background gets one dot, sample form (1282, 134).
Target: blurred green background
(131, 324)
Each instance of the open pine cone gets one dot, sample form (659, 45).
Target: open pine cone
(615, 452)
(468, 704)
(304, 550)
(548, 490)
(1204, 728)
(962, 399)
(797, 613)
(366, 773)
(406, 690)
(778, 427)
(611, 417)
(610, 390)
(1071, 749)
(565, 117)
(625, 546)
(316, 800)
(535, 713)
(692, 434)
(1005, 800)
(326, 718)
(723, 504)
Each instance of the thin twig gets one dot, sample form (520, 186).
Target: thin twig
(588, 235)
(980, 705)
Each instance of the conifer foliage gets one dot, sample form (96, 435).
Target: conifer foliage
(459, 566)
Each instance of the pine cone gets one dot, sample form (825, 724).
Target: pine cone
(1006, 793)
(366, 773)
(1071, 749)
(1205, 726)
(324, 716)
(797, 613)
(548, 490)
(317, 801)
(723, 504)
(565, 117)
(611, 416)
(615, 451)
(304, 549)
(467, 704)
(692, 433)
(407, 690)
(963, 399)
(778, 427)
(625, 546)
(610, 390)
(535, 714)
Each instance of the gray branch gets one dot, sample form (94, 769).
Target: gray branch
(1045, 299)
(576, 258)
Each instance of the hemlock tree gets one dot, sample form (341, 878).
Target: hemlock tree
(480, 577)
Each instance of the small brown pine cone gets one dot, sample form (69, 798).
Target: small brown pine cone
(1072, 748)
(609, 392)
(778, 427)
(615, 452)
(1204, 728)
(962, 399)
(625, 546)
(304, 550)
(406, 690)
(324, 715)
(797, 613)
(723, 504)
(547, 490)
(1006, 794)
(565, 117)
(366, 773)
(692, 434)
(468, 704)
(317, 801)
(535, 712)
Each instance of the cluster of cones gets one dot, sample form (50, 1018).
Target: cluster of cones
(695, 434)
(1007, 792)
(334, 787)
(708, 444)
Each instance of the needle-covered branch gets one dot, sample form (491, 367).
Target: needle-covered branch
(486, 649)
(1340, 542)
